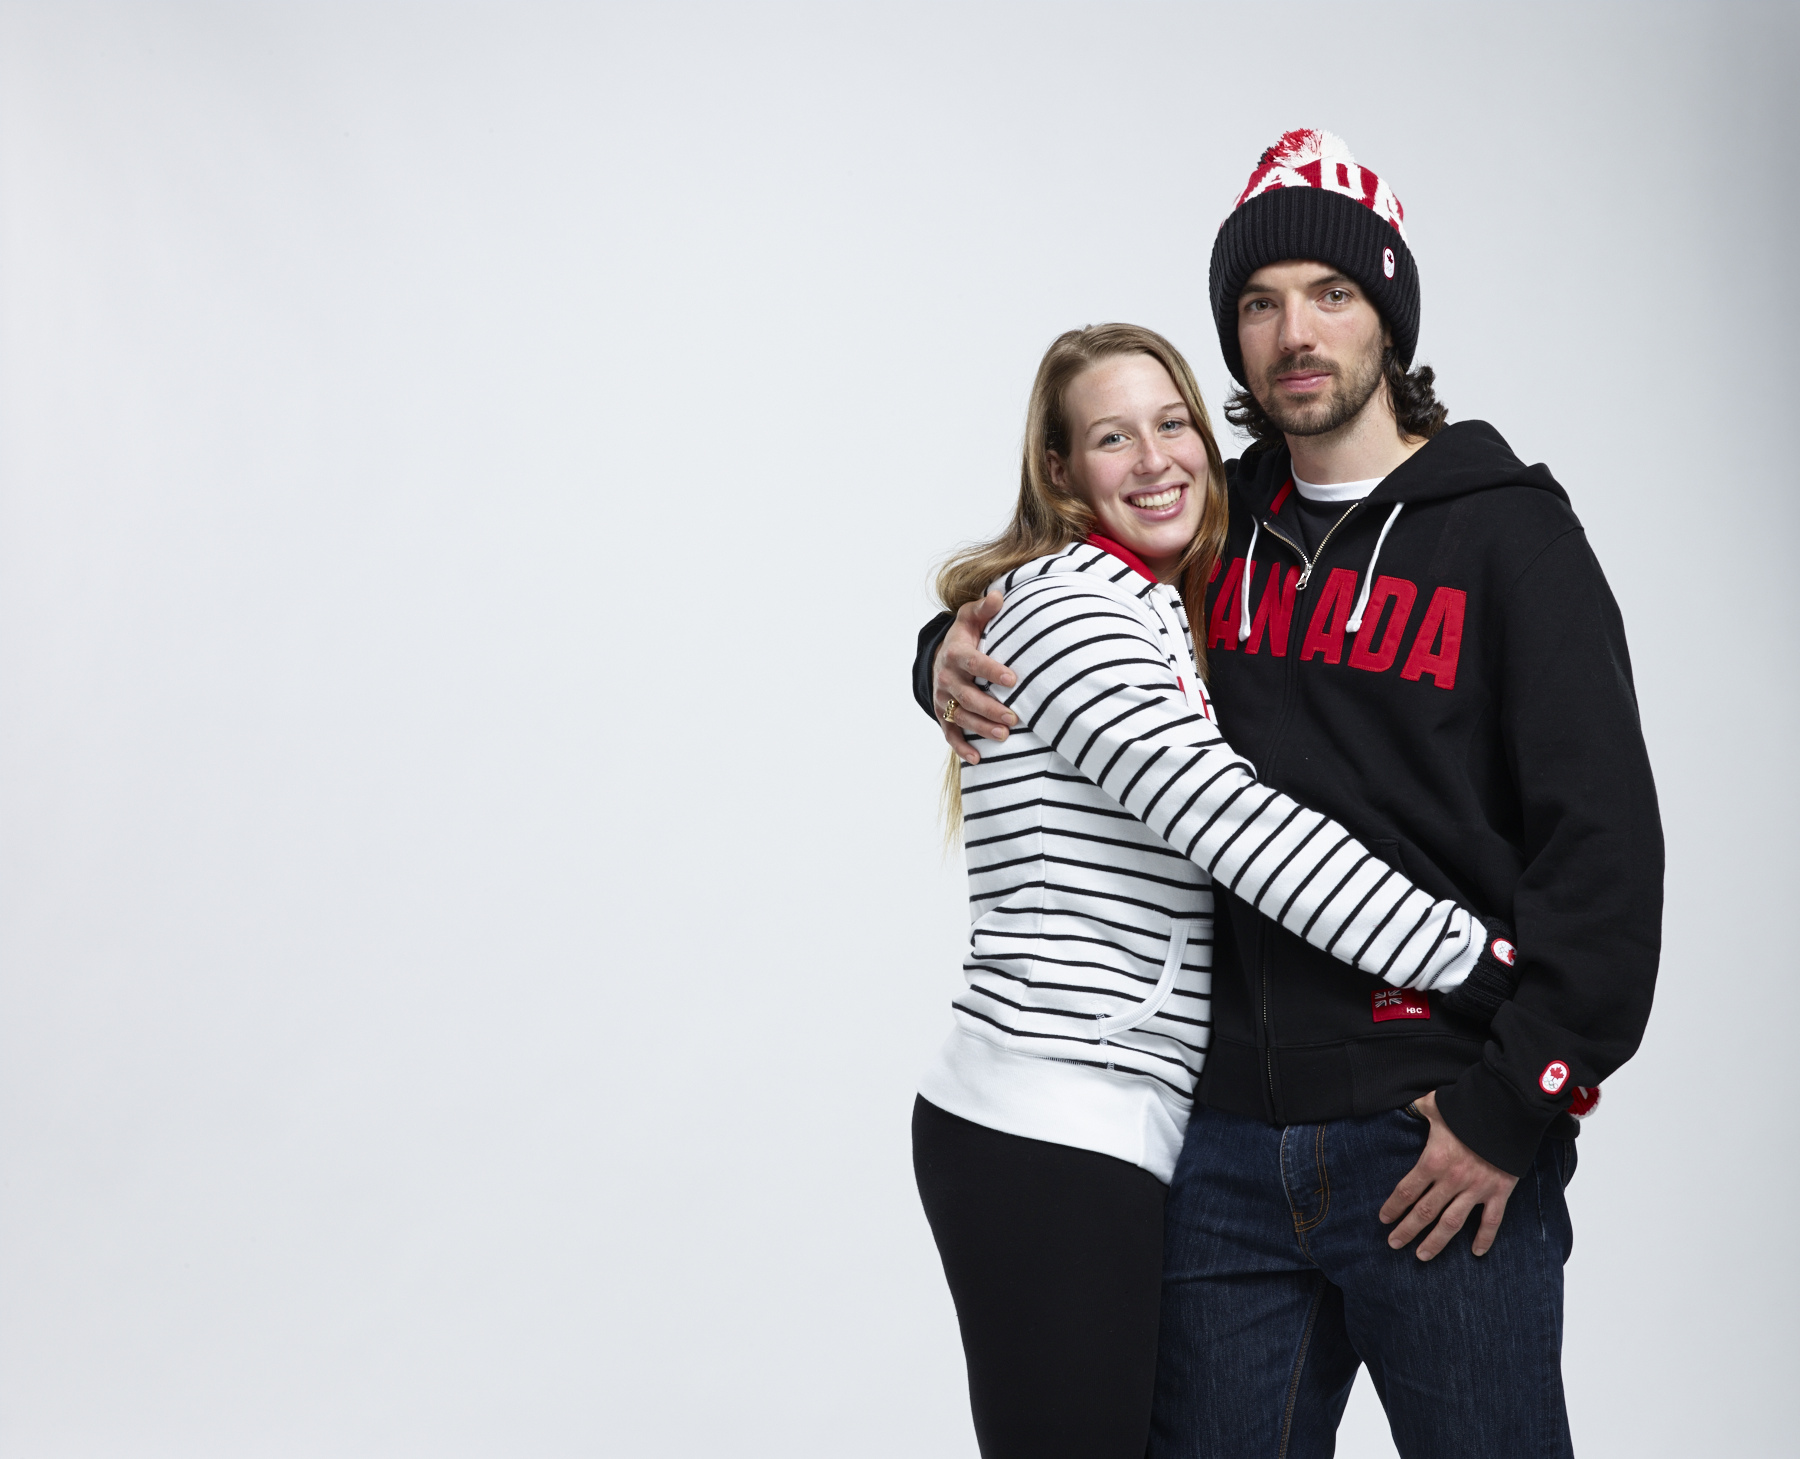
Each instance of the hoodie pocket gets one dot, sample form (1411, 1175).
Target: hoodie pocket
(1389, 851)
(1160, 994)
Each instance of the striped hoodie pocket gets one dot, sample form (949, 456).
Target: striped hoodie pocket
(1137, 1017)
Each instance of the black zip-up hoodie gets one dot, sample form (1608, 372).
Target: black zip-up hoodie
(1472, 718)
(1478, 724)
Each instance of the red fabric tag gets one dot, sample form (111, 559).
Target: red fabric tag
(1398, 1003)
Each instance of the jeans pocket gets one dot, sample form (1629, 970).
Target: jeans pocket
(1411, 1109)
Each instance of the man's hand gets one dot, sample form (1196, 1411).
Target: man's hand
(959, 663)
(1449, 1181)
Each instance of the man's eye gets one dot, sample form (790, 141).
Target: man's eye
(1338, 296)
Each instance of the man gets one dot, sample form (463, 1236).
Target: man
(1409, 632)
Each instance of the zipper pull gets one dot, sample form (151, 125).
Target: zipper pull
(1305, 576)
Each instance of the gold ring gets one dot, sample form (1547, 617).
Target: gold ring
(950, 710)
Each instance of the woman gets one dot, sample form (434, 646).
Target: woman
(1047, 1129)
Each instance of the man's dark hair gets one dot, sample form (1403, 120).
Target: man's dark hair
(1416, 407)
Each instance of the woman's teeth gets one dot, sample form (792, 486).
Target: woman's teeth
(1160, 499)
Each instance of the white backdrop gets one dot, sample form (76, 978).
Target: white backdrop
(468, 481)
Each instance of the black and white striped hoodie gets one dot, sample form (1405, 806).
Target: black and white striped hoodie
(1094, 835)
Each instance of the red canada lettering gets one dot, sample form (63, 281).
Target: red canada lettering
(1443, 618)
(1325, 634)
(1275, 610)
(1363, 653)
(1223, 626)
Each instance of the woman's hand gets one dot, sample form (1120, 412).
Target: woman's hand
(959, 663)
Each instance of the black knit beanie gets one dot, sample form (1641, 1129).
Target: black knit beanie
(1309, 199)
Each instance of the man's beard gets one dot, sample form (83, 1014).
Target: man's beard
(1342, 401)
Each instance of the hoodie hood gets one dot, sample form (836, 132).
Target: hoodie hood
(1463, 458)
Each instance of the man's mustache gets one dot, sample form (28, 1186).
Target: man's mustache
(1290, 363)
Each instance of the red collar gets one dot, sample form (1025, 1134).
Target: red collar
(1124, 554)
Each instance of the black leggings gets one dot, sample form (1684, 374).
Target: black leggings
(1054, 1257)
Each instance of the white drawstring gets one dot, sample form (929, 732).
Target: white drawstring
(1191, 688)
(1249, 567)
(1355, 623)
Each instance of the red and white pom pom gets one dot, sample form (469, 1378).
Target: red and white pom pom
(1311, 158)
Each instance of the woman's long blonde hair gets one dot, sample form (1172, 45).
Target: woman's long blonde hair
(1047, 519)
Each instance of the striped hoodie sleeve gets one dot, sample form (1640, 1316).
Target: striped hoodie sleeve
(1096, 685)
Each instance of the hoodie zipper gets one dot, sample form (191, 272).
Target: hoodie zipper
(1307, 564)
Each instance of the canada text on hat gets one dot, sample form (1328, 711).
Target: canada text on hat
(1310, 158)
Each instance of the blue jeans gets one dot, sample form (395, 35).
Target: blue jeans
(1278, 1283)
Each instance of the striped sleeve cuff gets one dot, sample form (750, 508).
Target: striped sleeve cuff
(1491, 978)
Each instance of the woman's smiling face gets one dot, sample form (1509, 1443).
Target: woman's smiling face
(1135, 458)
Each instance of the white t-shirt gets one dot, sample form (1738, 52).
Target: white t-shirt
(1321, 508)
(1342, 491)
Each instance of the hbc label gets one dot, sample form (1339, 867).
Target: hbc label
(1398, 1003)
